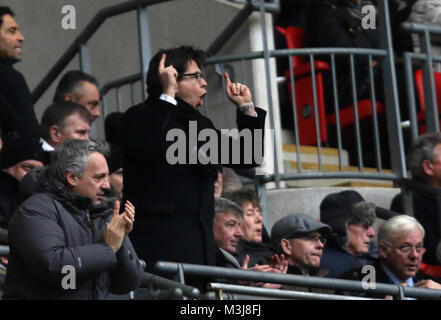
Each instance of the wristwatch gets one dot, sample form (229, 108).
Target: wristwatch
(247, 106)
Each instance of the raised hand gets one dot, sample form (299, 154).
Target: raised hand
(129, 216)
(168, 77)
(238, 93)
(115, 230)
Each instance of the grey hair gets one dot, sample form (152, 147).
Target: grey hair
(397, 226)
(422, 149)
(223, 205)
(363, 213)
(73, 156)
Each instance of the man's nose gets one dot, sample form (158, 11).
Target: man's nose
(20, 37)
(371, 232)
(106, 184)
(238, 232)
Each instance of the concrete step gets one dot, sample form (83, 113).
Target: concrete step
(330, 163)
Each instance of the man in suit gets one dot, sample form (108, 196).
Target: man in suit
(17, 115)
(401, 246)
(175, 199)
(424, 162)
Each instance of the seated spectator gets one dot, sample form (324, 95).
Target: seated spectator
(400, 241)
(227, 233)
(423, 161)
(350, 245)
(64, 225)
(82, 88)
(62, 121)
(301, 239)
(252, 243)
(18, 157)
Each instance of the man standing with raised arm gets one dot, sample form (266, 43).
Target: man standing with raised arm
(175, 202)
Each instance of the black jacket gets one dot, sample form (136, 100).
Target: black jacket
(425, 210)
(337, 260)
(259, 252)
(16, 107)
(56, 229)
(174, 202)
(8, 197)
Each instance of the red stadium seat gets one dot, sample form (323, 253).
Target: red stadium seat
(421, 115)
(295, 38)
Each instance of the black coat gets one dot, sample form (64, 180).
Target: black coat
(337, 260)
(55, 229)
(9, 187)
(174, 202)
(259, 252)
(425, 210)
(16, 107)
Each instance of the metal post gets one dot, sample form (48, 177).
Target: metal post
(395, 135)
(144, 46)
(269, 93)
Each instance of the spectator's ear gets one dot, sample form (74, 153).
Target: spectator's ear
(428, 167)
(68, 97)
(383, 250)
(55, 134)
(71, 178)
(286, 246)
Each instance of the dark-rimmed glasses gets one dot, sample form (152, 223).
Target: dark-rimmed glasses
(197, 75)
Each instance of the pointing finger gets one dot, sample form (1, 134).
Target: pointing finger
(227, 79)
(162, 62)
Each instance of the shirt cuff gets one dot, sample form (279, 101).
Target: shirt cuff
(169, 99)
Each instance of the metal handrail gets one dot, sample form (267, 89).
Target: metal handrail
(83, 37)
(420, 28)
(299, 280)
(157, 282)
(4, 251)
(280, 294)
(4, 236)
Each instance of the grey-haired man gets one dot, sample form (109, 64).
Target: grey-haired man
(63, 243)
